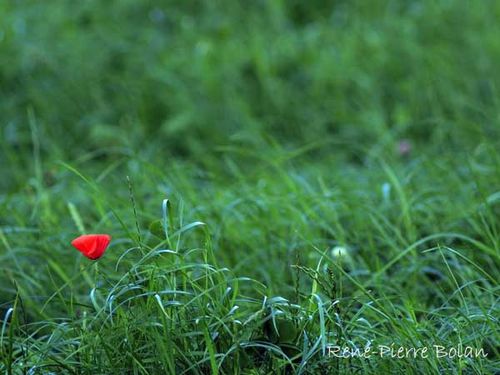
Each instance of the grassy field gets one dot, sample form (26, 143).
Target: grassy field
(291, 187)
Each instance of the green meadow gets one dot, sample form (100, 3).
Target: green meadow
(291, 187)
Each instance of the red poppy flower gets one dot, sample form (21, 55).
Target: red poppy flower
(92, 246)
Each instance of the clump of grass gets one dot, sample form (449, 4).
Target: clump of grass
(170, 309)
(165, 309)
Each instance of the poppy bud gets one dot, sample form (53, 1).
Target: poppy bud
(92, 246)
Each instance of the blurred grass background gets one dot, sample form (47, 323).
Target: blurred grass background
(189, 77)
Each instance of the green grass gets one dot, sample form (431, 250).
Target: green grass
(274, 129)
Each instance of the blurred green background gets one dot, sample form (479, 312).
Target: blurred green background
(187, 77)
